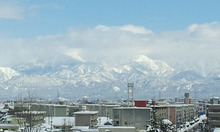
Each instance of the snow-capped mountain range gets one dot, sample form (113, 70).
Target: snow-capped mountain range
(74, 80)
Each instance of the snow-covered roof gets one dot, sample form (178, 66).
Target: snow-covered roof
(81, 127)
(216, 129)
(84, 129)
(112, 105)
(2, 106)
(4, 110)
(8, 116)
(32, 112)
(136, 108)
(92, 104)
(190, 126)
(90, 130)
(59, 121)
(108, 105)
(86, 112)
(103, 120)
(179, 105)
(120, 127)
(55, 105)
(15, 126)
(166, 121)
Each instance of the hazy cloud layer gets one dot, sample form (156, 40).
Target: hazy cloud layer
(196, 46)
(10, 10)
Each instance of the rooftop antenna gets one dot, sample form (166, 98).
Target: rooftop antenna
(130, 94)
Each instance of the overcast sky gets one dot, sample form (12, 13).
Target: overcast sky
(180, 32)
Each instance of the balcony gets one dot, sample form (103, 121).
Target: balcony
(214, 114)
(214, 122)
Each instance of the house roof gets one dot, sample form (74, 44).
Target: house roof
(86, 112)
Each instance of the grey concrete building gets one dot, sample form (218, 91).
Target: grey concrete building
(138, 117)
(213, 116)
(55, 110)
(104, 110)
(86, 118)
(117, 129)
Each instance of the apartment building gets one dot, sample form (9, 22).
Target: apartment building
(213, 116)
(32, 117)
(117, 129)
(160, 113)
(86, 118)
(55, 110)
(181, 113)
(138, 117)
(104, 110)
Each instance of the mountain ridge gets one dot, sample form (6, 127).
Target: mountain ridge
(98, 80)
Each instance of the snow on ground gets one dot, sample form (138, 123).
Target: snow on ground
(201, 118)
(103, 120)
(57, 121)
(216, 130)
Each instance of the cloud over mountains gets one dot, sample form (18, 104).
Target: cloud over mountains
(196, 46)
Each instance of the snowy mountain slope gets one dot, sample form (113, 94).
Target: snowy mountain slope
(187, 75)
(7, 73)
(74, 80)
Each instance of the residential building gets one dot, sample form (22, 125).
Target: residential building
(32, 117)
(59, 124)
(12, 119)
(213, 116)
(117, 129)
(181, 113)
(54, 110)
(138, 117)
(20, 106)
(214, 100)
(86, 118)
(160, 113)
(9, 127)
(11, 123)
(104, 110)
(109, 110)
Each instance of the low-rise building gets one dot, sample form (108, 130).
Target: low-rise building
(214, 100)
(12, 119)
(9, 127)
(54, 110)
(86, 118)
(103, 109)
(138, 117)
(117, 129)
(32, 117)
